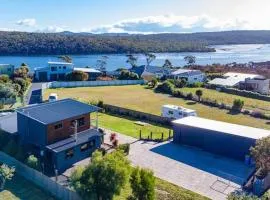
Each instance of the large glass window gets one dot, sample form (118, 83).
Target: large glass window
(53, 69)
(69, 153)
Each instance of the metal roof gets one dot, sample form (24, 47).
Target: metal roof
(69, 143)
(8, 123)
(223, 127)
(88, 70)
(60, 63)
(51, 112)
(186, 72)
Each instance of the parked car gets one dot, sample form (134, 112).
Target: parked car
(53, 97)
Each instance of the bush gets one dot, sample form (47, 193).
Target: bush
(4, 78)
(24, 83)
(166, 87)
(195, 85)
(7, 91)
(238, 105)
(77, 76)
(124, 147)
(127, 75)
(189, 96)
(142, 183)
(33, 162)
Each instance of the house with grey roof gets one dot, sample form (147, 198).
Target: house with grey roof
(59, 132)
(191, 76)
(149, 72)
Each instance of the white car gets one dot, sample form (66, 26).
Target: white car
(53, 97)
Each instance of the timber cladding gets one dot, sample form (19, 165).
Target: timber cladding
(63, 129)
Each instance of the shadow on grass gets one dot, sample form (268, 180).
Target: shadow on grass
(190, 103)
(268, 123)
(226, 168)
(233, 112)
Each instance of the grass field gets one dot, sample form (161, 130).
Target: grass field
(165, 191)
(129, 126)
(141, 99)
(21, 189)
(251, 104)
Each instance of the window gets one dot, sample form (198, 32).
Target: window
(170, 112)
(81, 122)
(64, 67)
(53, 69)
(69, 153)
(88, 145)
(58, 126)
(60, 67)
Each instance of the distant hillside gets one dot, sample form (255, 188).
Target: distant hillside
(21, 43)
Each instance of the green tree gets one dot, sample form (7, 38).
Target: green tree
(149, 58)
(142, 182)
(127, 75)
(199, 94)
(132, 60)
(77, 76)
(21, 72)
(191, 60)
(261, 154)
(238, 104)
(167, 64)
(104, 177)
(6, 173)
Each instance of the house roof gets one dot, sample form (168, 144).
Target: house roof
(143, 69)
(223, 127)
(8, 123)
(186, 72)
(87, 70)
(51, 112)
(232, 79)
(59, 63)
(68, 143)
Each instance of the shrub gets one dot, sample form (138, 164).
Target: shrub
(24, 83)
(199, 93)
(4, 78)
(100, 104)
(33, 162)
(189, 96)
(127, 75)
(77, 76)
(7, 91)
(238, 105)
(166, 87)
(142, 183)
(124, 147)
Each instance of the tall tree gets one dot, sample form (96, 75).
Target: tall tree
(199, 94)
(132, 60)
(149, 58)
(102, 64)
(191, 60)
(66, 58)
(166, 66)
(6, 173)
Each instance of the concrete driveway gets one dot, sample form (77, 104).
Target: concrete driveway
(207, 174)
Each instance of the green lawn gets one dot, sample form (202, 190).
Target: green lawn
(251, 104)
(21, 189)
(165, 191)
(138, 98)
(128, 126)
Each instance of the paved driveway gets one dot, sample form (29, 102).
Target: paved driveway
(207, 174)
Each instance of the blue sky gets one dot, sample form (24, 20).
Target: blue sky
(140, 16)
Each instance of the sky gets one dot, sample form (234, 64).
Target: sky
(140, 16)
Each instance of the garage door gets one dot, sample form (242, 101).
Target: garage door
(42, 76)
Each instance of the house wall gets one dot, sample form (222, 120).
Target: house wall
(62, 163)
(232, 146)
(260, 86)
(190, 78)
(31, 131)
(54, 135)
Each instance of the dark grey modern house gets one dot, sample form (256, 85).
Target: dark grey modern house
(59, 132)
(217, 137)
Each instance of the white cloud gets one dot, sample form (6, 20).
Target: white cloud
(173, 24)
(51, 29)
(7, 29)
(26, 22)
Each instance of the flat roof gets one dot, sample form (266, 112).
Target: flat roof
(51, 112)
(8, 123)
(69, 143)
(180, 108)
(223, 127)
(89, 70)
(60, 63)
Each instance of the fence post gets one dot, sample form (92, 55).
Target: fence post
(151, 135)
(162, 136)
(140, 134)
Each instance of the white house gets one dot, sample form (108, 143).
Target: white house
(176, 112)
(192, 76)
(54, 71)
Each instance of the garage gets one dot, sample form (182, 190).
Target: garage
(217, 137)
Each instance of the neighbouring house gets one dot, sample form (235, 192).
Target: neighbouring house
(7, 69)
(230, 140)
(60, 133)
(176, 112)
(233, 79)
(55, 71)
(260, 85)
(150, 72)
(93, 74)
(191, 76)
